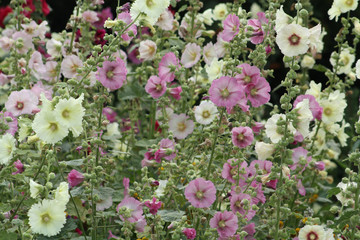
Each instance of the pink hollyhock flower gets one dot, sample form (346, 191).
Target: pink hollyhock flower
(27, 40)
(13, 124)
(257, 127)
(239, 201)
(165, 145)
(4, 79)
(39, 88)
(165, 21)
(268, 49)
(249, 74)
(154, 206)
(256, 24)
(191, 55)
(103, 16)
(258, 93)
(301, 188)
(225, 222)
(126, 183)
(181, 126)
(242, 136)
(112, 74)
(147, 50)
(190, 233)
(184, 29)
(315, 107)
(200, 193)
(265, 167)
(126, 17)
(250, 229)
(19, 166)
(111, 235)
(226, 92)
(69, 66)
(134, 205)
(175, 92)
(209, 53)
(231, 171)
(110, 114)
(75, 178)
(36, 65)
(299, 153)
(155, 86)
(22, 102)
(167, 67)
(231, 27)
(90, 16)
(320, 165)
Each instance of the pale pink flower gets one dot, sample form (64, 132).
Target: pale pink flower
(27, 41)
(165, 145)
(126, 17)
(250, 229)
(147, 50)
(242, 136)
(39, 88)
(22, 102)
(153, 206)
(36, 65)
(181, 126)
(191, 55)
(155, 86)
(112, 74)
(220, 45)
(226, 92)
(315, 107)
(126, 184)
(258, 93)
(90, 16)
(110, 114)
(200, 193)
(167, 66)
(237, 203)
(69, 66)
(184, 29)
(190, 233)
(249, 74)
(175, 92)
(75, 178)
(230, 171)
(51, 73)
(13, 124)
(225, 222)
(165, 21)
(6, 43)
(4, 79)
(299, 153)
(256, 24)
(209, 53)
(231, 27)
(134, 205)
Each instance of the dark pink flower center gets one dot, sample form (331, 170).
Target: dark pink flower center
(158, 87)
(19, 105)
(312, 236)
(240, 137)
(294, 39)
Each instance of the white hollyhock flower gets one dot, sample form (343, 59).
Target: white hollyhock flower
(341, 6)
(152, 8)
(275, 132)
(62, 193)
(320, 140)
(293, 40)
(220, 11)
(147, 50)
(209, 53)
(315, 90)
(346, 58)
(54, 47)
(191, 55)
(345, 196)
(181, 126)
(7, 147)
(341, 135)
(206, 17)
(35, 188)
(282, 19)
(357, 69)
(264, 150)
(168, 113)
(205, 112)
(47, 218)
(315, 38)
(214, 70)
(333, 107)
(69, 66)
(307, 62)
(310, 232)
(304, 117)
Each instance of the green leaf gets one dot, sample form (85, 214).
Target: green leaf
(171, 216)
(8, 236)
(72, 211)
(74, 163)
(182, 8)
(146, 142)
(320, 68)
(333, 192)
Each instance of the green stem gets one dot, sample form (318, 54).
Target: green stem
(74, 28)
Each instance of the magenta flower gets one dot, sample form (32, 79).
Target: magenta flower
(13, 124)
(191, 55)
(75, 178)
(258, 94)
(320, 165)
(250, 229)
(126, 18)
(265, 168)
(226, 92)
(238, 202)
(249, 74)
(167, 67)
(22, 102)
(175, 92)
(111, 235)
(154, 206)
(230, 171)
(315, 107)
(134, 205)
(110, 114)
(225, 222)
(190, 233)
(242, 136)
(256, 24)
(155, 86)
(257, 127)
(200, 193)
(231, 27)
(112, 74)
(126, 184)
(165, 145)
(103, 16)
(19, 166)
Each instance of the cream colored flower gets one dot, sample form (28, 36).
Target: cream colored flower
(35, 188)
(293, 40)
(307, 62)
(309, 232)
(315, 90)
(275, 132)
(206, 112)
(333, 107)
(62, 195)
(346, 59)
(214, 70)
(304, 116)
(220, 11)
(7, 147)
(264, 150)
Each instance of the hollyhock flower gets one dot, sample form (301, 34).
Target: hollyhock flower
(90, 16)
(51, 74)
(165, 21)
(226, 92)
(346, 58)
(206, 17)
(131, 204)
(190, 233)
(111, 235)
(154, 206)
(249, 74)
(26, 40)
(6, 43)
(191, 55)
(226, 223)
(7, 148)
(104, 203)
(168, 65)
(242, 136)
(61, 193)
(152, 8)
(112, 75)
(110, 114)
(75, 178)
(242, 203)
(21, 102)
(231, 27)
(206, 112)
(264, 150)
(357, 69)
(126, 17)
(303, 117)
(312, 232)
(316, 44)
(298, 154)
(185, 27)
(341, 6)
(35, 188)
(250, 229)
(220, 46)
(200, 193)
(209, 53)
(13, 124)
(103, 16)
(36, 65)
(181, 126)
(167, 114)
(175, 92)
(214, 70)
(256, 24)
(69, 66)
(4, 11)
(231, 171)
(346, 197)
(258, 93)
(165, 145)
(19, 166)
(155, 86)
(315, 108)
(47, 217)
(147, 50)
(333, 107)
(39, 89)
(53, 47)
(293, 40)
(220, 11)
(275, 132)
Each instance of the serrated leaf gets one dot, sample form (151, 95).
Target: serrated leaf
(333, 192)
(72, 211)
(171, 216)
(77, 191)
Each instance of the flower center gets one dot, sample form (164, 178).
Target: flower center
(65, 113)
(73, 68)
(45, 218)
(294, 39)
(240, 137)
(312, 236)
(247, 79)
(224, 93)
(205, 114)
(181, 126)
(19, 105)
(110, 74)
(149, 3)
(234, 171)
(199, 194)
(221, 13)
(238, 204)
(221, 224)
(158, 87)
(349, 2)
(29, 30)
(327, 111)
(345, 60)
(53, 127)
(253, 92)
(193, 56)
